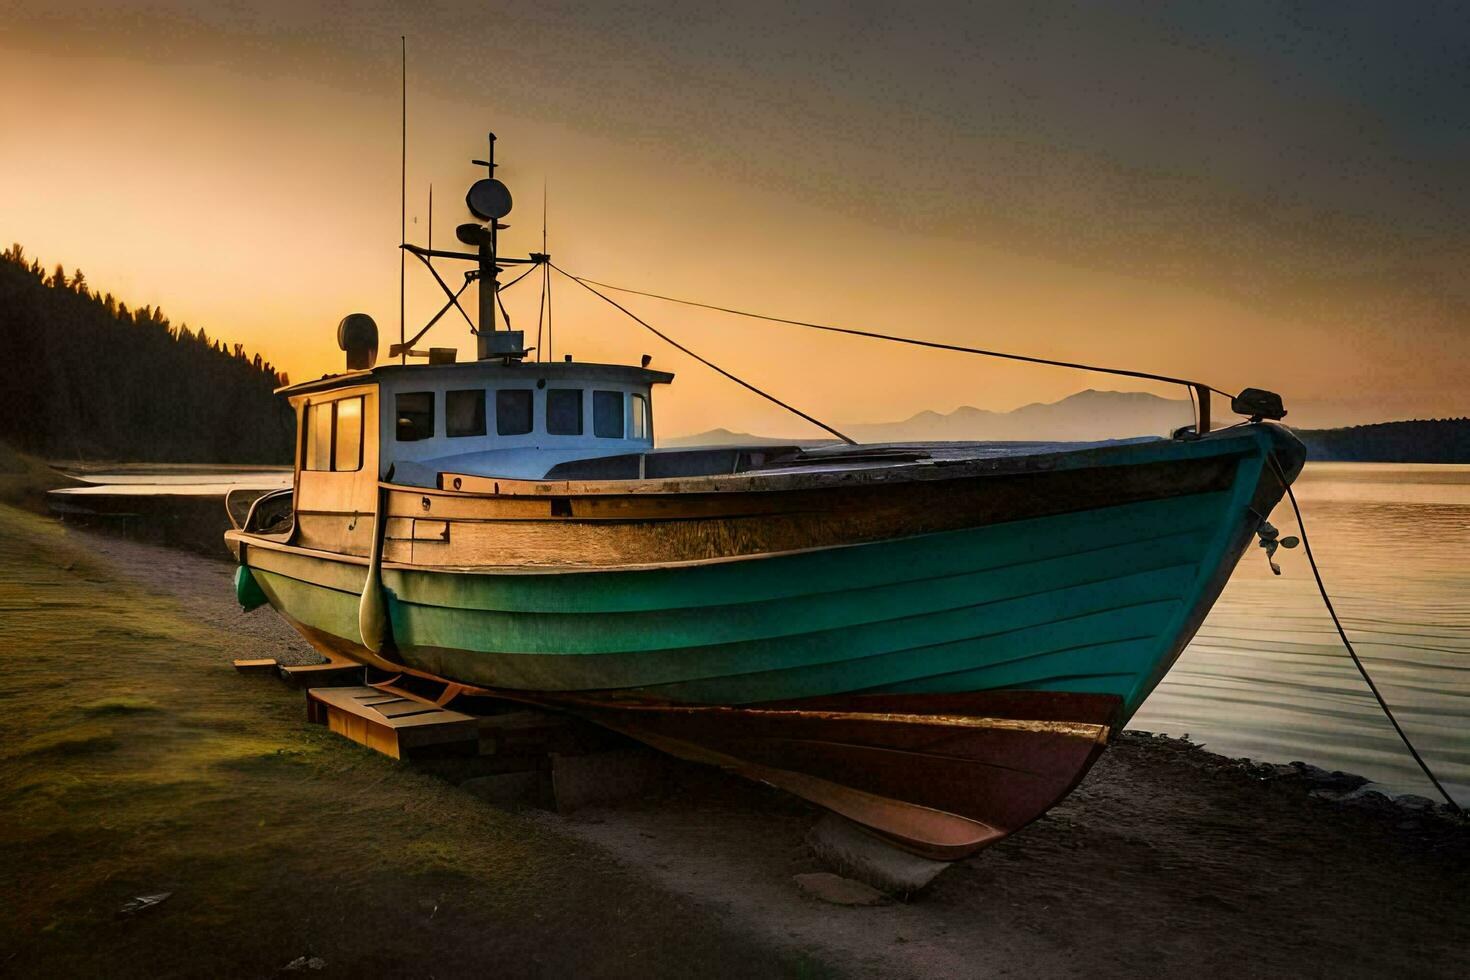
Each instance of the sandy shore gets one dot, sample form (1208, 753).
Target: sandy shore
(138, 762)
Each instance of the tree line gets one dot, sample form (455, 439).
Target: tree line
(89, 378)
(1416, 441)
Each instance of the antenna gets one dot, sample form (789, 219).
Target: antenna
(488, 200)
(545, 272)
(545, 193)
(403, 198)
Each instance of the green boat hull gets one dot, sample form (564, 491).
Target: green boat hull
(941, 688)
(1097, 601)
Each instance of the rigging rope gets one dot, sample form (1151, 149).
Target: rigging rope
(707, 363)
(518, 278)
(914, 341)
(502, 289)
(1348, 645)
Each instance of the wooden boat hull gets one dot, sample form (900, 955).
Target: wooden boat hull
(941, 776)
(943, 687)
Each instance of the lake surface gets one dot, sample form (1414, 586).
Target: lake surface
(170, 479)
(1267, 676)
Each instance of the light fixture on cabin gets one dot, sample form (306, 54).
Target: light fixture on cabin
(357, 334)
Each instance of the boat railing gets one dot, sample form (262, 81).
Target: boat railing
(269, 514)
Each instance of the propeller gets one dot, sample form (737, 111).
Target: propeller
(1271, 540)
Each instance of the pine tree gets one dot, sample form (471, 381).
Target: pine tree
(99, 380)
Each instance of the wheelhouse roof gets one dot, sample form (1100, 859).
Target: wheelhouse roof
(486, 371)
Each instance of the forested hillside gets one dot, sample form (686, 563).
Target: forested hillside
(87, 378)
(1418, 441)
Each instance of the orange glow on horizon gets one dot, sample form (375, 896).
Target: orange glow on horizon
(263, 206)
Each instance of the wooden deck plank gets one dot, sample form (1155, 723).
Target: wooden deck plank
(262, 665)
(336, 671)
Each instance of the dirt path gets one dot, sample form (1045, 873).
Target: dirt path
(162, 770)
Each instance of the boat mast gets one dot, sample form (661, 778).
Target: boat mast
(489, 272)
(488, 200)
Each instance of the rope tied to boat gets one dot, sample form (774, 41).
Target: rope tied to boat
(1247, 402)
(1348, 644)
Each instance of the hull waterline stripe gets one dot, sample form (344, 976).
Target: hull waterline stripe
(1073, 729)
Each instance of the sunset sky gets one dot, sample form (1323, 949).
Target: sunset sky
(1272, 195)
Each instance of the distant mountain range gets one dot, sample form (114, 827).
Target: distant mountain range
(1091, 416)
(1087, 416)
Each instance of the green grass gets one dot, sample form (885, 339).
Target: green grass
(135, 761)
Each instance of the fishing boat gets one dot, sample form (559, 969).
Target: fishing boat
(934, 640)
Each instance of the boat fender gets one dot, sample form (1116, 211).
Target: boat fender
(247, 591)
(373, 624)
(372, 612)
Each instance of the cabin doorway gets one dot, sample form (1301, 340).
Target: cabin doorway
(337, 470)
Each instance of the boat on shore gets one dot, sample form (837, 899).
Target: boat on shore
(936, 640)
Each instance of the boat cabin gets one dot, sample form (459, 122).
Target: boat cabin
(407, 424)
(366, 437)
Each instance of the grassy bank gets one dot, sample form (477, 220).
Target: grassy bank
(24, 479)
(137, 762)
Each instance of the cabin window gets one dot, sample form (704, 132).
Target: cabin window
(464, 412)
(347, 435)
(334, 436)
(415, 414)
(640, 416)
(607, 414)
(318, 437)
(513, 407)
(564, 411)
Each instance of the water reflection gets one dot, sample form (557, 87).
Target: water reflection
(1267, 676)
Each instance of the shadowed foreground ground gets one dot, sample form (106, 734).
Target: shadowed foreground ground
(135, 761)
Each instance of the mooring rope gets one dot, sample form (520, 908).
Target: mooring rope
(1348, 644)
(707, 363)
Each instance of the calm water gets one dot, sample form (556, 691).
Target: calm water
(1267, 676)
(173, 479)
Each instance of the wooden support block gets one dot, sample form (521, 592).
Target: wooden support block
(855, 853)
(528, 732)
(264, 665)
(333, 673)
(388, 723)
